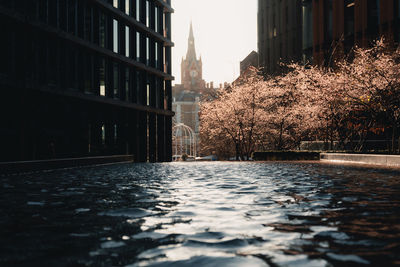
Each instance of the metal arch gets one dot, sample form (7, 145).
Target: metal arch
(180, 133)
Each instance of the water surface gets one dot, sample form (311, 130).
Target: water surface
(201, 214)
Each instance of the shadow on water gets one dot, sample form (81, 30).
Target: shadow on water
(78, 216)
(201, 214)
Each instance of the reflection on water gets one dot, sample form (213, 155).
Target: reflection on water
(202, 214)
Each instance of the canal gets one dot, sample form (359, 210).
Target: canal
(201, 214)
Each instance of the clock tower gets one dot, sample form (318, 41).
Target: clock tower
(187, 95)
(192, 68)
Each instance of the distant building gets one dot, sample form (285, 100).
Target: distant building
(85, 78)
(279, 33)
(250, 60)
(339, 25)
(187, 95)
(312, 31)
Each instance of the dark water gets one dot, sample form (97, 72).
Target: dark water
(201, 214)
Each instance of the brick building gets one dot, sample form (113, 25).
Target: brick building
(250, 60)
(339, 25)
(313, 30)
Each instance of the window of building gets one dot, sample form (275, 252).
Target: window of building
(103, 134)
(115, 36)
(41, 57)
(72, 16)
(328, 21)
(88, 79)
(115, 3)
(158, 93)
(138, 10)
(398, 9)
(262, 24)
(287, 16)
(88, 23)
(115, 133)
(63, 14)
(102, 77)
(52, 11)
(307, 25)
(164, 21)
(138, 46)
(373, 17)
(102, 30)
(139, 94)
(81, 18)
(127, 41)
(156, 26)
(147, 13)
(52, 62)
(156, 55)
(348, 17)
(89, 136)
(71, 68)
(127, 87)
(127, 7)
(294, 46)
(148, 94)
(147, 51)
(43, 11)
(81, 70)
(116, 80)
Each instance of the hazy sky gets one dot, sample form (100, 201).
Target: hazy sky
(225, 32)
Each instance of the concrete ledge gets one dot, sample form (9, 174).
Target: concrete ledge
(386, 160)
(285, 155)
(38, 165)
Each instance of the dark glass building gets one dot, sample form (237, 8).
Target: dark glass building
(338, 25)
(85, 78)
(317, 31)
(279, 33)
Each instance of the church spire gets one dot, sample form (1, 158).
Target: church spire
(191, 52)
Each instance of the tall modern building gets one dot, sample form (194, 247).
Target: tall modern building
(279, 33)
(316, 31)
(339, 25)
(85, 78)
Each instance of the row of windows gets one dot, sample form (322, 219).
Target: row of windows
(138, 46)
(147, 145)
(60, 11)
(88, 22)
(144, 11)
(55, 63)
(277, 19)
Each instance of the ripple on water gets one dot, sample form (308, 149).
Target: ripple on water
(132, 213)
(211, 262)
(203, 214)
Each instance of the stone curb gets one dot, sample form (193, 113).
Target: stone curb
(386, 160)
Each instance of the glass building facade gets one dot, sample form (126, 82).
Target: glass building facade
(85, 78)
(279, 33)
(339, 26)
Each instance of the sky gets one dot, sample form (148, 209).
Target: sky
(225, 32)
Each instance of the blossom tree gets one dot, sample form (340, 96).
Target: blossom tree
(346, 103)
(233, 117)
(372, 83)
